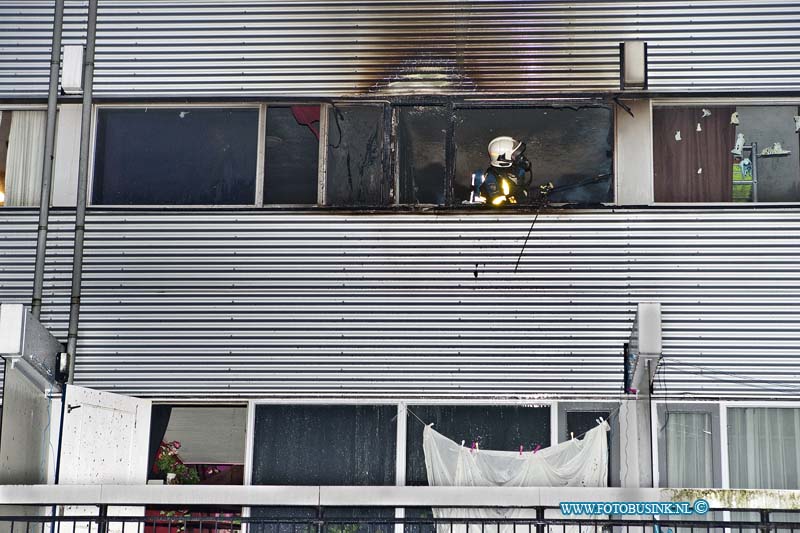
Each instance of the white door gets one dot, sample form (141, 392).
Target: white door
(105, 440)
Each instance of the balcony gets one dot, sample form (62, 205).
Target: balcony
(328, 509)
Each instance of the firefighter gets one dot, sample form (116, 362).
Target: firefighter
(509, 175)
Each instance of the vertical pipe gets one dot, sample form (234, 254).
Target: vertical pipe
(83, 178)
(47, 166)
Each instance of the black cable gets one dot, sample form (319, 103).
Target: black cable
(524, 244)
(753, 384)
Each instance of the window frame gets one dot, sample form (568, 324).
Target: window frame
(391, 112)
(29, 107)
(260, 150)
(713, 102)
(614, 455)
(712, 409)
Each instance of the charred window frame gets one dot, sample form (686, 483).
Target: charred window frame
(570, 145)
(367, 154)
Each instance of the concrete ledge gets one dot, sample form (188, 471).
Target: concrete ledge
(312, 496)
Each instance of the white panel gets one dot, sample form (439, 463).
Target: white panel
(105, 440)
(12, 329)
(635, 66)
(633, 153)
(72, 69)
(25, 452)
(65, 168)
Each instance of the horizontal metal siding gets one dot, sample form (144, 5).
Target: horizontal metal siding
(17, 257)
(26, 34)
(319, 48)
(284, 304)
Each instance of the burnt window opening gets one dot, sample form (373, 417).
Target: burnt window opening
(291, 158)
(572, 148)
(726, 154)
(176, 156)
(356, 156)
(421, 147)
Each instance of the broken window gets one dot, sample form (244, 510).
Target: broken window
(421, 154)
(292, 153)
(726, 154)
(176, 156)
(355, 165)
(568, 147)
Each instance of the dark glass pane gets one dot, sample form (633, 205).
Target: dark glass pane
(579, 422)
(421, 152)
(290, 166)
(192, 156)
(355, 157)
(572, 148)
(324, 445)
(494, 427)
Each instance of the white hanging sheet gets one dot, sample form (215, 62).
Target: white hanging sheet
(574, 463)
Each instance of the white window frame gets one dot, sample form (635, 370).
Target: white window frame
(711, 102)
(724, 406)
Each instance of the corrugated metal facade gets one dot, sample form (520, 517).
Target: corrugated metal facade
(254, 303)
(17, 255)
(382, 47)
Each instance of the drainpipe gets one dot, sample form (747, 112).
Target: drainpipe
(47, 166)
(83, 178)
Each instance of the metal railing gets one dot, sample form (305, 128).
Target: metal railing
(316, 521)
(309, 509)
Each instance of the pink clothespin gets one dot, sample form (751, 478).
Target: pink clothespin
(538, 447)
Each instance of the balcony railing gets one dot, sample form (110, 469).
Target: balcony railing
(291, 509)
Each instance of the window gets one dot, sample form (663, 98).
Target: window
(176, 156)
(726, 154)
(576, 418)
(21, 157)
(421, 154)
(568, 147)
(306, 445)
(292, 155)
(493, 427)
(323, 445)
(356, 156)
(764, 448)
(688, 444)
(341, 155)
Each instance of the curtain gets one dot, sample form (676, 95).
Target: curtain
(689, 450)
(574, 463)
(763, 448)
(25, 158)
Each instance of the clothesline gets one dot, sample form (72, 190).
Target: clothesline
(611, 415)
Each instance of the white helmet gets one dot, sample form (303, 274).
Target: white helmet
(502, 151)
